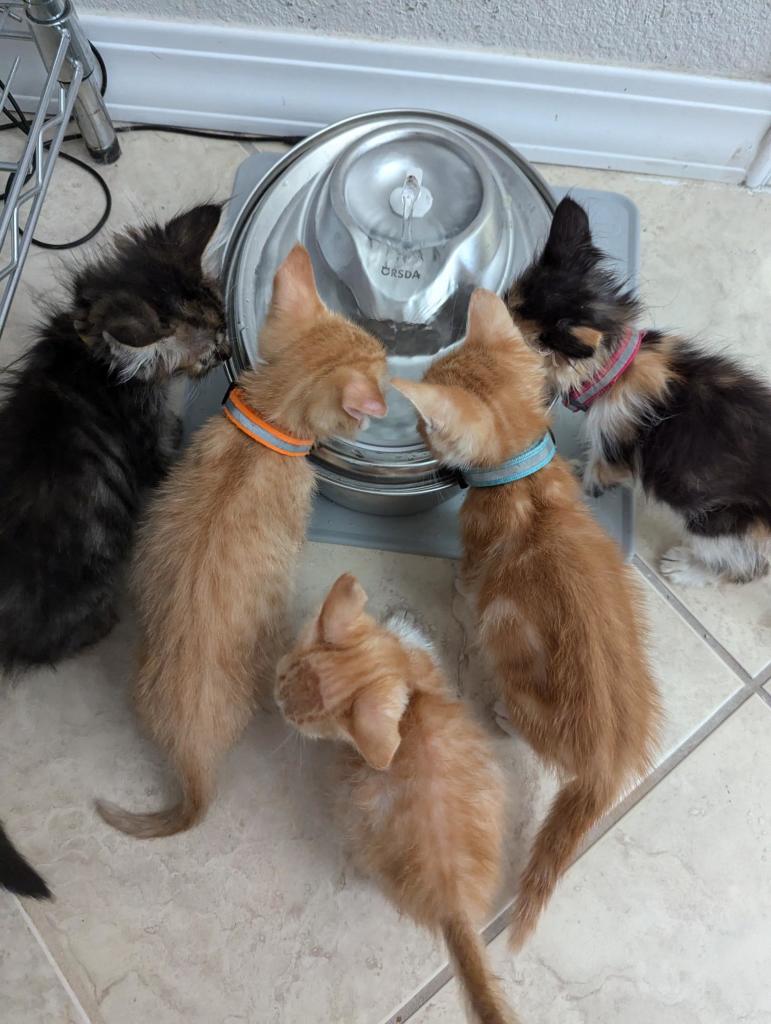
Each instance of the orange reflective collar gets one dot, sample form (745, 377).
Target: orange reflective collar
(247, 421)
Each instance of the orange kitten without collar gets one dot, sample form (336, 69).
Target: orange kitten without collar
(421, 798)
(558, 612)
(217, 553)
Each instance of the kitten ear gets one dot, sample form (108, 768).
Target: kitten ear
(342, 607)
(294, 287)
(191, 231)
(362, 397)
(434, 402)
(569, 231)
(488, 318)
(374, 725)
(125, 319)
(587, 336)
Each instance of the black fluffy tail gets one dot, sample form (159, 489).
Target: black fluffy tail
(16, 875)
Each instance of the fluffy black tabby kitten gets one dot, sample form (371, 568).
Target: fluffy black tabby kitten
(693, 426)
(86, 428)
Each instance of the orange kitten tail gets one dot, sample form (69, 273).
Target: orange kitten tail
(482, 987)
(188, 812)
(577, 806)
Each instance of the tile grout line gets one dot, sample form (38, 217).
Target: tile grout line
(84, 1017)
(687, 615)
(659, 773)
(764, 695)
(763, 677)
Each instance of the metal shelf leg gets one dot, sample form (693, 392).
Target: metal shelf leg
(47, 19)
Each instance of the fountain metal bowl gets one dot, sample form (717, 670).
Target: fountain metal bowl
(404, 213)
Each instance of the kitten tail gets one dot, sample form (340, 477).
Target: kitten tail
(188, 812)
(577, 806)
(16, 875)
(482, 988)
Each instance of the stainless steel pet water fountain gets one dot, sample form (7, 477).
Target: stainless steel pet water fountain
(404, 213)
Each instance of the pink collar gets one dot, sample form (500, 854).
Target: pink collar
(582, 398)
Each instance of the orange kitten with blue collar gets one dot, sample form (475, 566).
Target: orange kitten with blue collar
(558, 612)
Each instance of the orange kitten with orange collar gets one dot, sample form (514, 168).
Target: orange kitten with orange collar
(558, 612)
(217, 553)
(422, 798)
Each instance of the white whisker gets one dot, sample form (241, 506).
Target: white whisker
(290, 734)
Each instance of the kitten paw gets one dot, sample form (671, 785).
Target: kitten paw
(591, 483)
(600, 476)
(502, 720)
(761, 570)
(757, 571)
(679, 566)
(594, 490)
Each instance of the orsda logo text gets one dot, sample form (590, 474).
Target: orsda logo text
(399, 272)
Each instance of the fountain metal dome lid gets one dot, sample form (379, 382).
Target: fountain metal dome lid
(404, 213)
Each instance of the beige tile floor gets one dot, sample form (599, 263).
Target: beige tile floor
(257, 915)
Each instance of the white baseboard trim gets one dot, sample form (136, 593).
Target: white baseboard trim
(244, 79)
(759, 171)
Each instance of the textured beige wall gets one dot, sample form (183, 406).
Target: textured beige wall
(718, 37)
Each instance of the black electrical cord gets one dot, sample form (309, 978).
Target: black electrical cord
(18, 120)
(105, 216)
(200, 133)
(102, 69)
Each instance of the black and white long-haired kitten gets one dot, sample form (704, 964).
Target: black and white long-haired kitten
(86, 428)
(692, 426)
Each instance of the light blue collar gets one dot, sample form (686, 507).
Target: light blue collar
(525, 464)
